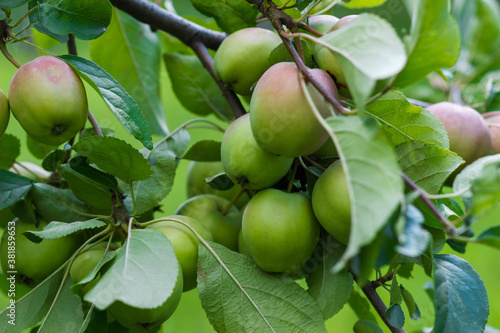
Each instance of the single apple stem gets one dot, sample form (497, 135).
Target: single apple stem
(491, 114)
(448, 227)
(3, 48)
(292, 178)
(226, 209)
(24, 16)
(95, 125)
(316, 164)
(307, 28)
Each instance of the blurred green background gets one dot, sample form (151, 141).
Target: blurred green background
(189, 317)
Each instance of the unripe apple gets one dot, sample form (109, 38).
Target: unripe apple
(322, 23)
(245, 163)
(208, 209)
(185, 244)
(85, 262)
(196, 184)
(494, 124)
(35, 261)
(48, 99)
(243, 57)
(4, 112)
(145, 319)
(282, 120)
(467, 130)
(331, 203)
(327, 60)
(279, 230)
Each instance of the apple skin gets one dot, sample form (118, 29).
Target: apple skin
(322, 23)
(4, 112)
(467, 130)
(234, 66)
(279, 230)
(331, 203)
(245, 163)
(132, 317)
(185, 244)
(48, 99)
(36, 261)
(327, 60)
(282, 121)
(207, 209)
(196, 185)
(84, 263)
(495, 133)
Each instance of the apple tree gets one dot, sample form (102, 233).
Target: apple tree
(359, 138)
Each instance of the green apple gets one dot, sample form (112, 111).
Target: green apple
(85, 262)
(197, 172)
(331, 203)
(48, 99)
(245, 163)
(242, 246)
(208, 209)
(282, 120)
(4, 112)
(467, 130)
(185, 244)
(279, 230)
(322, 23)
(34, 262)
(243, 57)
(145, 319)
(327, 60)
(494, 124)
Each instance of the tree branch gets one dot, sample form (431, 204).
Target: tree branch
(158, 18)
(207, 61)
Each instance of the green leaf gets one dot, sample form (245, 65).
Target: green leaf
(403, 122)
(56, 229)
(79, 164)
(220, 182)
(461, 302)
(56, 204)
(2, 15)
(361, 306)
(33, 307)
(12, 3)
(366, 55)
(194, 87)
(53, 160)
(373, 178)
(115, 156)
(363, 3)
(249, 299)
(230, 15)
(483, 38)
(10, 149)
(148, 193)
(426, 164)
(38, 149)
(205, 150)
(107, 257)
(366, 326)
(135, 64)
(482, 178)
(396, 297)
(490, 236)
(330, 290)
(415, 239)
(119, 101)
(36, 22)
(410, 304)
(86, 19)
(67, 313)
(434, 42)
(395, 316)
(12, 188)
(140, 286)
